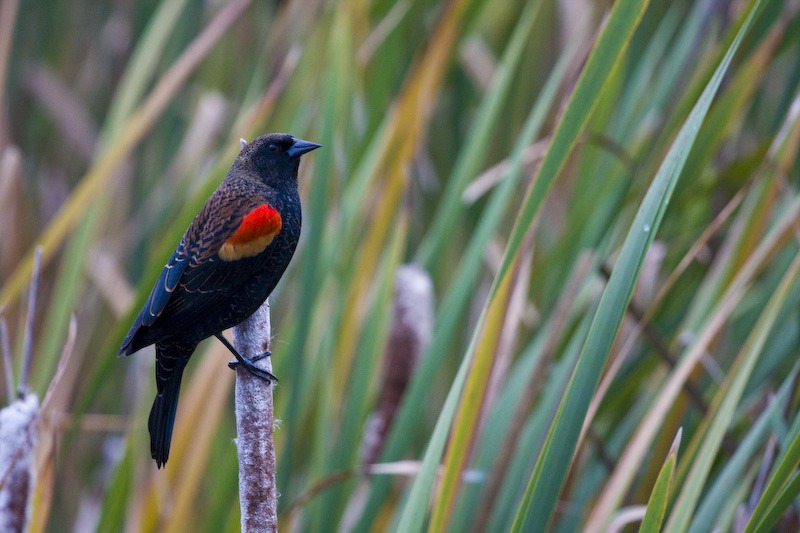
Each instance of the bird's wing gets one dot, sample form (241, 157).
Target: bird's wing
(207, 267)
(217, 268)
(239, 231)
(166, 285)
(159, 296)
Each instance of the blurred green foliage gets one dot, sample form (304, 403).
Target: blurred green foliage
(120, 118)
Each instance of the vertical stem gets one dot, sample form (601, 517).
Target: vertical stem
(258, 496)
(8, 18)
(8, 367)
(27, 348)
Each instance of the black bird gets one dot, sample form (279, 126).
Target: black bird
(225, 266)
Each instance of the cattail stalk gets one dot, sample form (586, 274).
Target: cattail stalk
(258, 496)
(409, 336)
(17, 456)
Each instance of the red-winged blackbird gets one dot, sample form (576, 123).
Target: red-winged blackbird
(226, 265)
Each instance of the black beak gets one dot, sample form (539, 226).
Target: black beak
(300, 147)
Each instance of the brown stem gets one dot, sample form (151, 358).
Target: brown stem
(258, 496)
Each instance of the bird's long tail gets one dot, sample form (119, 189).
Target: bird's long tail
(171, 359)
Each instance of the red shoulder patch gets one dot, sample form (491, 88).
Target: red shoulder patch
(253, 235)
(263, 220)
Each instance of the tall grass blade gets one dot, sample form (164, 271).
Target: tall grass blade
(551, 469)
(722, 410)
(659, 497)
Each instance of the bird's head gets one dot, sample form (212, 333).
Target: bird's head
(274, 157)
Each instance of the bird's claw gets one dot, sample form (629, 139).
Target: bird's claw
(249, 365)
(258, 358)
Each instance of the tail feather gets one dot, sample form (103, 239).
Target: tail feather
(128, 345)
(171, 359)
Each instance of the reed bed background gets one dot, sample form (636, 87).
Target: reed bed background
(600, 200)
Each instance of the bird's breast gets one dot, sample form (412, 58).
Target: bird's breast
(256, 231)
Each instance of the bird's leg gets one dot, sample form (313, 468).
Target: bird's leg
(247, 364)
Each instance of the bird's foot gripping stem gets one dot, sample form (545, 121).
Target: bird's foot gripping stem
(248, 364)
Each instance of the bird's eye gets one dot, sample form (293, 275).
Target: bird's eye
(272, 148)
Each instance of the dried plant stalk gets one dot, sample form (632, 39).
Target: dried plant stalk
(17, 455)
(409, 336)
(258, 496)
